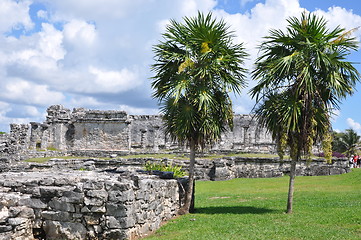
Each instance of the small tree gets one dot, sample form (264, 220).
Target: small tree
(197, 65)
(302, 75)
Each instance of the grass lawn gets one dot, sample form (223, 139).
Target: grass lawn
(325, 207)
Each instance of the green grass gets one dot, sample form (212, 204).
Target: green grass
(325, 207)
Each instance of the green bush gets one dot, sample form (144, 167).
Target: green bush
(177, 170)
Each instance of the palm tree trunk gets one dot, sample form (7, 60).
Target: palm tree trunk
(188, 204)
(291, 185)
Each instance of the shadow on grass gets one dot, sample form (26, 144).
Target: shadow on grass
(234, 210)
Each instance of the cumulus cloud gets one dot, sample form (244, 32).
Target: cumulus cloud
(354, 125)
(14, 15)
(97, 54)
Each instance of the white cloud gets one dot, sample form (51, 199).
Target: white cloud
(97, 54)
(353, 124)
(79, 33)
(14, 15)
(112, 81)
(25, 92)
(138, 111)
(338, 16)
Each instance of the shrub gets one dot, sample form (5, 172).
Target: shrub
(177, 170)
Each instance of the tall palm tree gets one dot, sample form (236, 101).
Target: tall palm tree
(302, 76)
(197, 65)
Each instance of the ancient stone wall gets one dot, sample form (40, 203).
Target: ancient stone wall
(84, 205)
(88, 130)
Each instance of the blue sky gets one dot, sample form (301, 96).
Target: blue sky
(96, 53)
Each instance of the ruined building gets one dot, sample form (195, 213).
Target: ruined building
(83, 129)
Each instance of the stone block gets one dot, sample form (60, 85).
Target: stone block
(93, 185)
(92, 220)
(33, 203)
(93, 201)
(98, 209)
(121, 196)
(17, 221)
(117, 186)
(73, 197)
(61, 205)
(101, 194)
(5, 228)
(64, 230)
(112, 222)
(116, 210)
(51, 191)
(46, 181)
(56, 216)
(115, 235)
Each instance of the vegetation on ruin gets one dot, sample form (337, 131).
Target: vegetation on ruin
(2, 132)
(302, 76)
(177, 170)
(328, 207)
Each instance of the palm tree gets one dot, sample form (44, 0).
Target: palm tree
(302, 76)
(349, 141)
(197, 65)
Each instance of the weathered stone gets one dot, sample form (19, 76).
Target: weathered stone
(98, 209)
(5, 228)
(101, 194)
(92, 220)
(56, 216)
(33, 203)
(116, 210)
(115, 235)
(121, 196)
(17, 221)
(73, 197)
(93, 201)
(64, 230)
(61, 205)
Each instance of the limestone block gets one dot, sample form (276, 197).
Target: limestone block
(117, 186)
(73, 197)
(116, 210)
(92, 220)
(101, 194)
(112, 222)
(56, 216)
(17, 221)
(33, 203)
(98, 209)
(61, 205)
(51, 191)
(93, 201)
(116, 234)
(46, 181)
(5, 228)
(121, 196)
(93, 184)
(55, 230)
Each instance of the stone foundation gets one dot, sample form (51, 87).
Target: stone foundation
(84, 205)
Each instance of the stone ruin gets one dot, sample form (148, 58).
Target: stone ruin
(93, 198)
(83, 130)
(84, 205)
